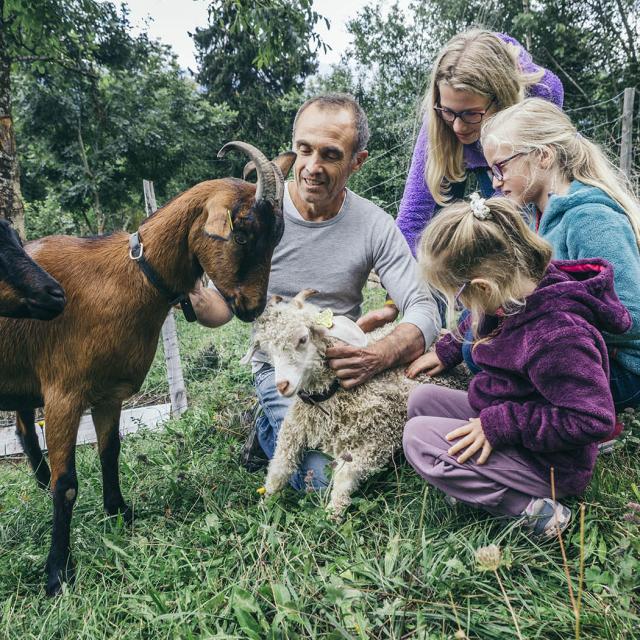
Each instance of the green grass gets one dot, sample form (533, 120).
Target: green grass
(207, 558)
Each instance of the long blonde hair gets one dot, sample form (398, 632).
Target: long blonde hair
(535, 124)
(457, 247)
(480, 62)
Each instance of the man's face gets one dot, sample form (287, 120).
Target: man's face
(324, 143)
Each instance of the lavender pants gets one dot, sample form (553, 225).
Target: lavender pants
(504, 485)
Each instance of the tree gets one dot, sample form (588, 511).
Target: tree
(592, 46)
(129, 122)
(254, 56)
(71, 34)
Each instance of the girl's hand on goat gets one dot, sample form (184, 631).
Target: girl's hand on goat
(472, 439)
(355, 365)
(428, 362)
(377, 318)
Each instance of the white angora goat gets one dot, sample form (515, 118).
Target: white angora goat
(359, 428)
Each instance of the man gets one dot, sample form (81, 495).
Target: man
(332, 240)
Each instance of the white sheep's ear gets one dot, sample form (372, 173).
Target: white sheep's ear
(348, 331)
(253, 349)
(275, 299)
(300, 298)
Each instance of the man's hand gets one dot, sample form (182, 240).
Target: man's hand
(473, 439)
(209, 306)
(355, 365)
(427, 362)
(378, 317)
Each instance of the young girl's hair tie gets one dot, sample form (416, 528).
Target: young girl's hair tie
(478, 207)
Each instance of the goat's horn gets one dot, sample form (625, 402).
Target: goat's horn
(249, 168)
(279, 183)
(300, 298)
(266, 187)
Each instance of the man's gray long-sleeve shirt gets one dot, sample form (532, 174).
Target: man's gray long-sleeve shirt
(336, 256)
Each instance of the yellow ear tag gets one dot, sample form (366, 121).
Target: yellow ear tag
(325, 318)
(229, 218)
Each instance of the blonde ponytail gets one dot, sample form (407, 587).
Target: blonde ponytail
(457, 247)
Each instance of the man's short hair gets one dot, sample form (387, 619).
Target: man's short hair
(341, 101)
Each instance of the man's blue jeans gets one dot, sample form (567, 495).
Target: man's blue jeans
(275, 407)
(625, 386)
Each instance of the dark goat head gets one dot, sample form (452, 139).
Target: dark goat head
(26, 290)
(243, 226)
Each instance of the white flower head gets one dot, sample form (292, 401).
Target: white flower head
(488, 558)
(478, 207)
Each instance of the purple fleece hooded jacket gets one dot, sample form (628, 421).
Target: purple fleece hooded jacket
(544, 387)
(417, 206)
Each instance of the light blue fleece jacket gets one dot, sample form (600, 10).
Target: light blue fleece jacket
(587, 223)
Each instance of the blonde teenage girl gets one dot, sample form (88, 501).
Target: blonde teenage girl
(477, 73)
(542, 399)
(583, 208)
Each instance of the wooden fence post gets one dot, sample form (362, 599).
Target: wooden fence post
(177, 389)
(626, 145)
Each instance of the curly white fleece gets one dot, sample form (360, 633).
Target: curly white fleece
(364, 425)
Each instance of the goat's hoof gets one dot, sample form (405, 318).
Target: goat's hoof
(123, 510)
(270, 489)
(56, 578)
(335, 514)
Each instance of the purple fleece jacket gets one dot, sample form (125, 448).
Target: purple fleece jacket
(544, 386)
(418, 206)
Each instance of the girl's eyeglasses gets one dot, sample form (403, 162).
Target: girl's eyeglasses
(468, 117)
(497, 169)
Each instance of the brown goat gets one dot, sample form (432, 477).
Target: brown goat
(26, 290)
(98, 351)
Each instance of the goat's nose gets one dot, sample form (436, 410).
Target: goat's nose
(282, 386)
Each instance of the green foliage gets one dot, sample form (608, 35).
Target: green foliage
(208, 558)
(75, 34)
(143, 121)
(254, 57)
(591, 46)
(124, 112)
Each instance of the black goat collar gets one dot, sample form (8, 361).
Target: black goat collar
(316, 398)
(136, 253)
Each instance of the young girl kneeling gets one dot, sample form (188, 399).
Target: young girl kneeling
(542, 399)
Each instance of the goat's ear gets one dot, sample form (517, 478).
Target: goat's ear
(218, 221)
(253, 349)
(300, 298)
(285, 162)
